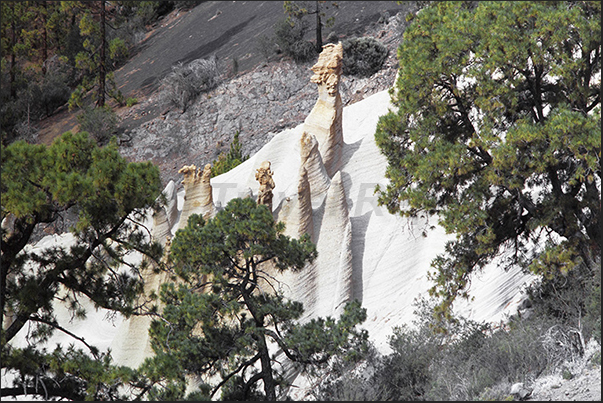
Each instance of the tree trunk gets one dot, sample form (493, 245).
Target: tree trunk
(269, 384)
(44, 38)
(102, 73)
(13, 59)
(318, 30)
(262, 346)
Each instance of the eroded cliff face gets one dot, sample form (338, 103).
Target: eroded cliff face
(319, 179)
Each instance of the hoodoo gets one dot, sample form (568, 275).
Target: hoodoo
(198, 197)
(324, 121)
(264, 176)
(311, 162)
(166, 216)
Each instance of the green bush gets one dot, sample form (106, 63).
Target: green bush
(302, 51)
(266, 46)
(37, 97)
(55, 91)
(573, 299)
(226, 161)
(468, 361)
(405, 373)
(480, 362)
(100, 123)
(131, 102)
(351, 380)
(186, 82)
(363, 57)
(290, 39)
(286, 34)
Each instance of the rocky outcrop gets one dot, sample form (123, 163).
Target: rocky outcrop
(198, 197)
(304, 209)
(324, 121)
(134, 339)
(296, 211)
(166, 215)
(335, 251)
(264, 176)
(311, 162)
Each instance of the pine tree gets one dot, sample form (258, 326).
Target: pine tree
(227, 161)
(296, 10)
(98, 51)
(498, 133)
(40, 185)
(221, 316)
(17, 20)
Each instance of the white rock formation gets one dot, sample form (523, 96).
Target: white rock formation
(325, 119)
(296, 211)
(198, 196)
(365, 253)
(264, 176)
(304, 203)
(390, 255)
(334, 262)
(311, 162)
(133, 345)
(166, 216)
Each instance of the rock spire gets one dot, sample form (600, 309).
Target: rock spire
(198, 197)
(325, 119)
(312, 163)
(264, 176)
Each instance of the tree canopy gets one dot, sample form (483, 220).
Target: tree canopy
(54, 50)
(223, 320)
(497, 132)
(40, 186)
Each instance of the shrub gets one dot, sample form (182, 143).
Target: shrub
(332, 38)
(363, 56)
(185, 83)
(235, 66)
(302, 51)
(573, 299)
(54, 88)
(131, 102)
(467, 362)
(470, 361)
(100, 123)
(478, 363)
(227, 161)
(405, 373)
(286, 34)
(266, 46)
(351, 380)
(38, 96)
(290, 39)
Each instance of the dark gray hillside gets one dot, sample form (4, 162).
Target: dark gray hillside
(262, 99)
(229, 29)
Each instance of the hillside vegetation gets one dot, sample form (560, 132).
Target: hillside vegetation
(495, 132)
